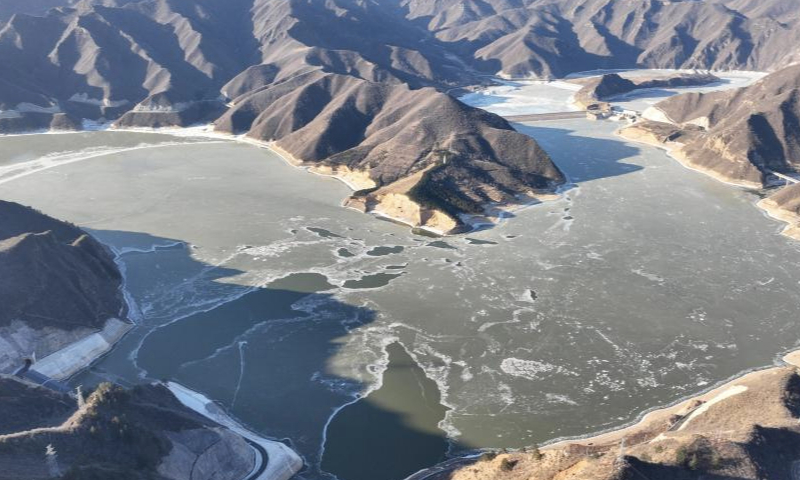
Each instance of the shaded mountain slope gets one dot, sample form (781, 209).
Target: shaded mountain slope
(141, 433)
(54, 274)
(25, 407)
(58, 285)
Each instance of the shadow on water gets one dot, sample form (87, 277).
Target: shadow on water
(267, 355)
(581, 158)
(394, 427)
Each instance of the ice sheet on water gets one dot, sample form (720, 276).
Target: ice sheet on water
(523, 98)
(531, 369)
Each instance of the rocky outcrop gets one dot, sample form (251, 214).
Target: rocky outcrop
(141, 433)
(389, 133)
(598, 89)
(58, 286)
(746, 429)
(54, 274)
(785, 206)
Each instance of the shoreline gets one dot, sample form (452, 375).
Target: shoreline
(598, 436)
(792, 227)
(46, 163)
(494, 214)
(93, 347)
(684, 162)
(613, 433)
(612, 436)
(401, 221)
(281, 463)
(792, 221)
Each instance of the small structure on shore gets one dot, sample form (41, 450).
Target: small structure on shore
(620, 114)
(598, 111)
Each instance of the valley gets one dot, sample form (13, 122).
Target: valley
(400, 239)
(546, 308)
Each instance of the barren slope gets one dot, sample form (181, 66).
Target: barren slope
(747, 132)
(550, 38)
(386, 132)
(747, 429)
(54, 274)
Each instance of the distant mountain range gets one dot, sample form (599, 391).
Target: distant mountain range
(361, 89)
(344, 84)
(550, 38)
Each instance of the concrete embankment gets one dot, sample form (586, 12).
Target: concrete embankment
(281, 461)
(76, 356)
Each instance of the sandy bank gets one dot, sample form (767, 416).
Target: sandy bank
(675, 150)
(638, 134)
(689, 408)
(792, 219)
(747, 429)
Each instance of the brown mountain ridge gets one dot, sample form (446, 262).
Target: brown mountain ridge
(345, 97)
